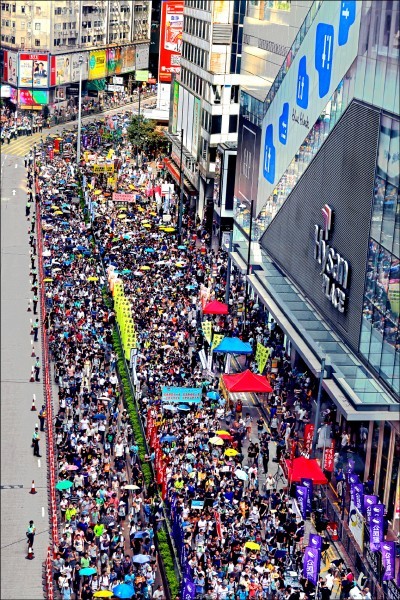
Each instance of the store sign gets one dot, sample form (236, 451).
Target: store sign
(171, 29)
(335, 269)
(33, 70)
(97, 64)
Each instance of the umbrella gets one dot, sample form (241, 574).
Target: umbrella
(103, 594)
(168, 438)
(47, 280)
(71, 468)
(225, 436)
(122, 217)
(213, 395)
(92, 278)
(183, 407)
(145, 268)
(222, 432)
(147, 225)
(252, 545)
(123, 590)
(131, 486)
(169, 407)
(216, 441)
(100, 417)
(241, 475)
(87, 571)
(140, 559)
(64, 484)
(97, 192)
(231, 452)
(169, 229)
(180, 265)
(148, 250)
(140, 534)
(182, 248)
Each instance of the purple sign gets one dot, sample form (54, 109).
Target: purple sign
(311, 562)
(388, 550)
(188, 589)
(308, 483)
(301, 497)
(376, 533)
(357, 493)
(369, 502)
(315, 541)
(353, 478)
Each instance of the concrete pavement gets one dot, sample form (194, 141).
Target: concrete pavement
(20, 578)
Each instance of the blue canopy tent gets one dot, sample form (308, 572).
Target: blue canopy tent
(230, 346)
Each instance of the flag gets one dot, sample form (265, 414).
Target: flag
(315, 541)
(388, 550)
(207, 330)
(188, 589)
(301, 497)
(217, 339)
(311, 562)
(308, 483)
(218, 523)
(369, 502)
(353, 478)
(308, 436)
(357, 494)
(376, 527)
(262, 355)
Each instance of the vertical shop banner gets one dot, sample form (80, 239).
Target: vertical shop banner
(388, 550)
(353, 478)
(369, 502)
(329, 457)
(311, 563)
(128, 59)
(75, 66)
(114, 61)
(357, 495)
(196, 126)
(97, 64)
(315, 541)
(11, 59)
(301, 497)
(308, 437)
(171, 29)
(376, 533)
(33, 70)
(262, 355)
(308, 483)
(175, 106)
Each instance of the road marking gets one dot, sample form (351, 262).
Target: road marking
(16, 165)
(14, 192)
(39, 464)
(11, 487)
(43, 511)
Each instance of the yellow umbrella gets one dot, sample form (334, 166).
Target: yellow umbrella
(97, 192)
(58, 212)
(92, 278)
(122, 217)
(145, 268)
(252, 546)
(48, 279)
(147, 225)
(153, 214)
(222, 432)
(103, 594)
(131, 187)
(216, 441)
(140, 209)
(54, 207)
(169, 229)
(145, 221)
(180, 264)
(231, 452)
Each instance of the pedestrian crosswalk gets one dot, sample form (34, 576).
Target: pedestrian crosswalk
(21, 145)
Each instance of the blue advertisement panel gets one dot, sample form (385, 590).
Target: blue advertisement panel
(181, 395)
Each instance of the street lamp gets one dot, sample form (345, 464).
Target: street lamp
(181, 193)
(246, 294)
(78, 148)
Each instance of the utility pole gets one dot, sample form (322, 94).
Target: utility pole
(228, 273)
(78, 146)
(246, 294)
(181, 193)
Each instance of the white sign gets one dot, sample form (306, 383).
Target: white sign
(142, 57)
(115, 88)
(5, 91)
(118, 80)
(326, 54)
(75, 66)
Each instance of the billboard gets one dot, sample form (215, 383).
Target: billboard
(60, 70)
(10, 67)
(196, 126)
(75, 66)
(326, 54)
(142, 57)
(97, 64)
(114, 61)
(128, 59)
(33, 70)
(170, 39)
(175, 105)
(33, 99)
(249, 142)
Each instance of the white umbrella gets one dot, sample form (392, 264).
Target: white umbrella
(241, 475)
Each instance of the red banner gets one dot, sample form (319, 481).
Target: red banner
(171, 28)
(329, 458)
(218, 524)
(308, 436)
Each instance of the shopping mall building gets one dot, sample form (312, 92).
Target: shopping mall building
(318, 160)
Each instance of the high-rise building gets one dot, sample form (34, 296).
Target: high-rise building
(217, 58)
(320, 169)
(41, 43)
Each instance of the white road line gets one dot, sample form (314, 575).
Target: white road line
(39, 464)
(43, 511)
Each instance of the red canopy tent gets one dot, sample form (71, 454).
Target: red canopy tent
(215, 308)
(247, 382)
(307, 468)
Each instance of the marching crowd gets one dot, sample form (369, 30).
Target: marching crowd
(242, 536)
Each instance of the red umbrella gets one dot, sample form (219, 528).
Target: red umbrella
(225, 436)
(215, 308)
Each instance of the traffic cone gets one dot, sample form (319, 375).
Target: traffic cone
(33, 490)
(33, 407)
(32, 375)
(30, 555)
(29, 305)
(33, 353)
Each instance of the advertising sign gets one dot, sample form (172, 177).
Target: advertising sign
(196, 125)
(11, 67)
(311, 563)
(170, 39)
(356, 524)
(5, 91)
(63, 69)
(114, 61)
(128, 59)
(301, 497)
(32, 99)
(315, 541)
(97, 64)
(369, 502)
(308, 436)
(142, 75)
(326, 55)
(175, 106)
(329, 458)
(75, 66)
(142, 56)
(181, 394)
(308, 483)
(249, 142)
(388, 550)
(33, 70)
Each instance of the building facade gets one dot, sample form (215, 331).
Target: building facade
(41, 43)
(326, 223)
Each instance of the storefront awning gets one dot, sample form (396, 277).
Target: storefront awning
(173, 169)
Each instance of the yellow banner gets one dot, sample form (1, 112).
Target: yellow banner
(262, 355)
(207, 330)
(217, 339)
(97, 64)
(106, 168)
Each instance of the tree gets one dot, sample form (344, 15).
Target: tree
(143, 134)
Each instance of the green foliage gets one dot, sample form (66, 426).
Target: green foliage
(168, 562)
(144, 133)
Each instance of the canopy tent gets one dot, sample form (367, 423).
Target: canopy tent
(247, 382)
(307, 468)
(233, 346)
(215, 308)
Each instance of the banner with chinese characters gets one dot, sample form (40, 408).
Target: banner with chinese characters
(329, 457)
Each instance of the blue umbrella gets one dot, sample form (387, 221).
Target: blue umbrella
(168, 438)
(182, 248)
(140, 534)
(183, 407)
(100, 417)
(87, 571)
(213, 395)
(123, 590)
(140, 559)
(149, 250)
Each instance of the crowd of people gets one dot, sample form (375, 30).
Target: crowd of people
(243, 534)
